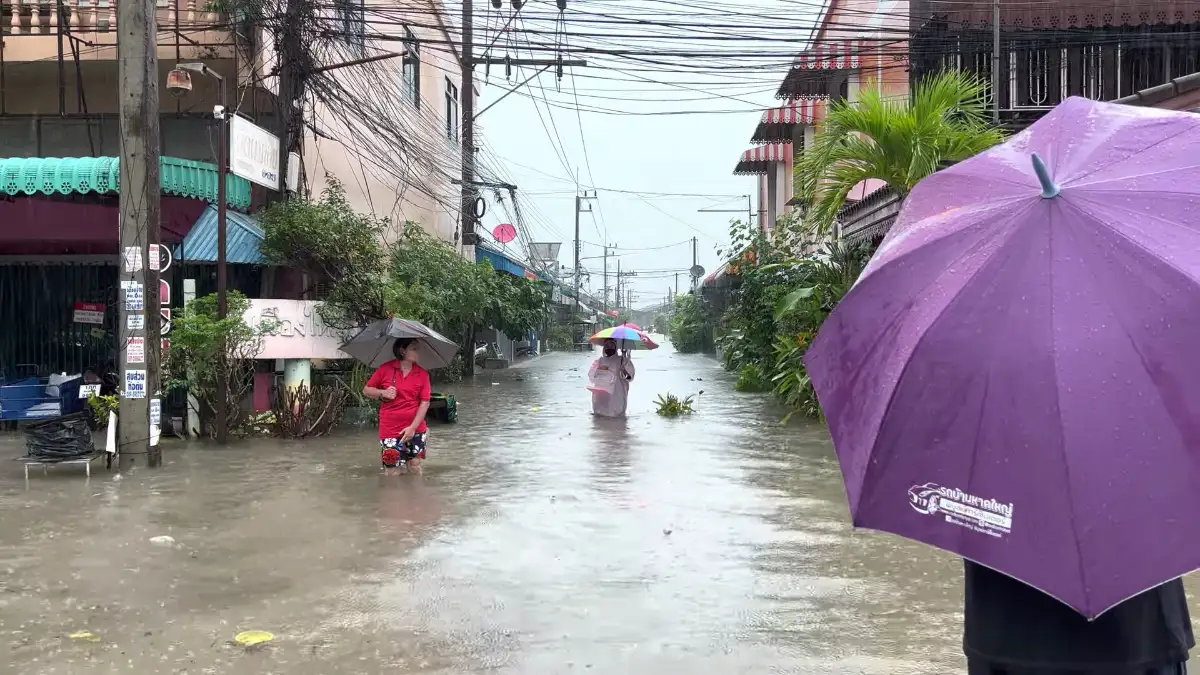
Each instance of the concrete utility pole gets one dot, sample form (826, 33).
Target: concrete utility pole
(138, 323)
(695, 261)
(467, 93)
(606, 279)
(996, 61)
(579, 203)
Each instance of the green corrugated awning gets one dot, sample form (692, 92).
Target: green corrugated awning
(101, 175)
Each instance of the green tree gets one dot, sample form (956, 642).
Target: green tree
(899, 142)
(336, 245)
(202, 346)
(688, 325)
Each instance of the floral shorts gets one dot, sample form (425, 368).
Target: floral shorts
(392, 451)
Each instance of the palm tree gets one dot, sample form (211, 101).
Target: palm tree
(899, 142)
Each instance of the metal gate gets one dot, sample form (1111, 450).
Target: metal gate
(38, 333)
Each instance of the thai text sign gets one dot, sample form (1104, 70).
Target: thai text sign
(253, 152)
(297, 330)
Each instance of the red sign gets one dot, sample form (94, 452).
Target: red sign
(164, 292)
(530, 275)
(89, 312)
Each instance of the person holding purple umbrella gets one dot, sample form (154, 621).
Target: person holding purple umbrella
(1010, 628)
(1017, 364)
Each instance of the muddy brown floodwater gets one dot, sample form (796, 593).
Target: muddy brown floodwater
(539, 541)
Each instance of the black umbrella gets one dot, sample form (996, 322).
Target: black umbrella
(373, 345)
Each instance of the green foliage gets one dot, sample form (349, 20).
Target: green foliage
(787, 290)
(417, 277)
(100, 407)
(558, 337)
(752, 378)
(334, 244)
(661, 324)
(897, 141)
(688, 325)
(203, 345)
(671, 405)
(768, 271)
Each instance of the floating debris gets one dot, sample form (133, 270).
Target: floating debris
(253, 638)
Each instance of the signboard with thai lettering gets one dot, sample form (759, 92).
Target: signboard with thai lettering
(297, 330)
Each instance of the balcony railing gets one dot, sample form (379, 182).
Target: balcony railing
(30, 17)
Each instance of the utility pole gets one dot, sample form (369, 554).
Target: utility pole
(606, 279)
(996, 61)
(138, 322)
(579, 200)
(467, 93)
(618, 293)
(695, 262)
(677, 283)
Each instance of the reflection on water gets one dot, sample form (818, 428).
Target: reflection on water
(540, 539)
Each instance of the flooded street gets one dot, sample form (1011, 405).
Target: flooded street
(539, 541)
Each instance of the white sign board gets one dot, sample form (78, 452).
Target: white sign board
(253, 152)
(87, 391)
(135, 384)
(293, 172)
(135, 297)
(135, 350)
(299, 333)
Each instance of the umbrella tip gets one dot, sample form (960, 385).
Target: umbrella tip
(1049, 189)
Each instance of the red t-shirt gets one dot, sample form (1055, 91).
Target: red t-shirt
(411, 391)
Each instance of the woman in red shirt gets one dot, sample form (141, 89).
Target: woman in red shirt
(402, 388)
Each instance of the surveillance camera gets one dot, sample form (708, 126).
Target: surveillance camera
(219, 112)
(179, 82)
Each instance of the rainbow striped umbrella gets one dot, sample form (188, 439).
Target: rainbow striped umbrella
(627, 337)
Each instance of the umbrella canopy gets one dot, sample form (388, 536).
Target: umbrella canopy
(626, 336)
(1018, 362)
(632, 325)
(373, 344)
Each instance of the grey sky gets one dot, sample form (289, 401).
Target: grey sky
(693, 153)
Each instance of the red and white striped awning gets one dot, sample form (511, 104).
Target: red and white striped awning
(759, 159)
(814, 72)
(778, 124)
(836, 55)
(794, 112)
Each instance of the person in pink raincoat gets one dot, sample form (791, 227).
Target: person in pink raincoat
(609, 379)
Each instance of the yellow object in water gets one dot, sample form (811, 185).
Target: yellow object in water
(250, 638)
(535, 409)
(84, 635)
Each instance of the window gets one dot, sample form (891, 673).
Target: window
(352, 15)
(411, 76)
(451, 111)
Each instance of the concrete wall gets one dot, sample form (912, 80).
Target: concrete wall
(396, 160)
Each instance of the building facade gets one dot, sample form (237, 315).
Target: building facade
(388, 131)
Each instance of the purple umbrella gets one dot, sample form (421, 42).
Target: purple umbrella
(1015, 378)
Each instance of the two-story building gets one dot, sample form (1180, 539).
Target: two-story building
(388, 131)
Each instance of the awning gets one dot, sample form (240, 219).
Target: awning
(243, 239)
(779, 124)
(759, 160)
(1057, 15)
(502, 262)
(101, 175)
(816, 71)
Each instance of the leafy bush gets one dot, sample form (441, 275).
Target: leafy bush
(751, 378)
(101, 406)
(689, 324)
(202, 346)
(558, 338)
(671, 405)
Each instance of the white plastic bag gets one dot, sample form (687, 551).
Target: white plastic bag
(603, 381)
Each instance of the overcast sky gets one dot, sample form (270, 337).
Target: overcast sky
(691, 153)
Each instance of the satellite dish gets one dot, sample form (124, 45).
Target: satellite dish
(504, 233)
(697, 271)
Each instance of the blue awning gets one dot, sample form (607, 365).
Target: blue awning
(501, 262)
(242, 242)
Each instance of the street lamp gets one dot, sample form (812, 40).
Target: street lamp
(179, 81)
